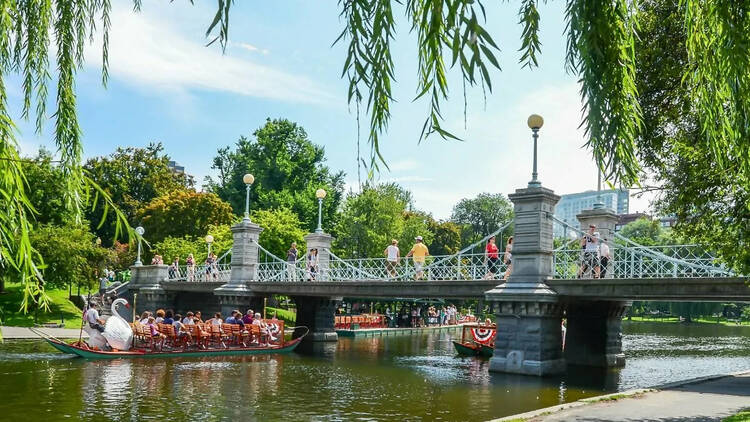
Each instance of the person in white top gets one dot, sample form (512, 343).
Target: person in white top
(590, 245)
(92, 317)
(188, 320)
(604, 257)
(392, 256)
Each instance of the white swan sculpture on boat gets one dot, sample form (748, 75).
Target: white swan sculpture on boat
(117, 331)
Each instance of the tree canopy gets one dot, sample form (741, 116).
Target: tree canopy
(288, 169)
(481, 215)
(133, 177)
(183, 213)
(711, 201)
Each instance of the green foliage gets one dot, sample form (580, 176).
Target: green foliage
(288, 169)
(180, 247)
(415, 223)
(133, 177)
(711, 202)
(446, 237)
(70, 254)
(44, 190)
(183, 213)
(281, 227)
(370, 219)
(647, 232)
(481, 215)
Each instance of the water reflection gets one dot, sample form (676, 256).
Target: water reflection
(378, 378)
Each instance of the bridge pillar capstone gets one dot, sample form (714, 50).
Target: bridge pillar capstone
(321, 242)
(145, 281)
(235, 294)
(529, 315)
(317, 314)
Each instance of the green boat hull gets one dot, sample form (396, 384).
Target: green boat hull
(95, 354)
(486, 351)
(466, 350)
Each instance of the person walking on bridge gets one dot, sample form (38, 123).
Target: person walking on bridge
(590, 245)
(392, 256)
(291, 262)
(420, 252)
(491, 257)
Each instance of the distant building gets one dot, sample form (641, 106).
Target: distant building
(572, 204)
(624, 219)
(176, 167)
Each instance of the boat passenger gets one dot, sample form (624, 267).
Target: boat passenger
(168, 317)
(248, 318)
(154, 330)
(197, 317)
(188, 320)
(144, 317)
(179, 328)
(216, 320)
(159, 316)
(257, 320)
(238, 319)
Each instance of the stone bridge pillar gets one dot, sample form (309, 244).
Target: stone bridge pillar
(594, 333)
(145, 281)
(317, 314)
(235, 294)
(529, 315)
(321, 242)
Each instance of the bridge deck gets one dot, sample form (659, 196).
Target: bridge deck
(706, 289)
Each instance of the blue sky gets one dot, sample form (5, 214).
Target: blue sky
(167, 86)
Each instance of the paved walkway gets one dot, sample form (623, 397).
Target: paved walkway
(710, 400)
(26, 333)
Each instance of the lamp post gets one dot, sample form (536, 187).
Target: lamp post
(535, 123)
(248, 179)
(139, 231)
(209, 241)
(598, 204)
(320, 194)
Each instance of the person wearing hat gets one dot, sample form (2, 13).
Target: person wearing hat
(392, 256)
(419, 252)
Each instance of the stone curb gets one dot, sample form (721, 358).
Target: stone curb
(623, 395)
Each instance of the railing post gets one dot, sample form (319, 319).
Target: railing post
(458, 272)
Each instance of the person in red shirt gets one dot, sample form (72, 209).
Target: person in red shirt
(491, 254)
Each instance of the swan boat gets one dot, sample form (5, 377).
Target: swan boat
(119, 335)
(480, 340)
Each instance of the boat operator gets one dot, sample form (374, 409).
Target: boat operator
(92, 317)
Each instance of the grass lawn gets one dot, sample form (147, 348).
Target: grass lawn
(288, 317)
(59, 307)
(701, 320)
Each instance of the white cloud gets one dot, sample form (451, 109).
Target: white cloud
(250, 47)
(147, 52)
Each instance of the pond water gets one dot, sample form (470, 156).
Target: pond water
(391, 378)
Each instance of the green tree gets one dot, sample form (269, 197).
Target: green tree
(370, 219)
(44, 181)
(447, 238)
(415, 223)
(288, 169)
(710, 201)
(133, 177)
(281, 227)
(71, 255)
(481, 215)
(183, 213)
